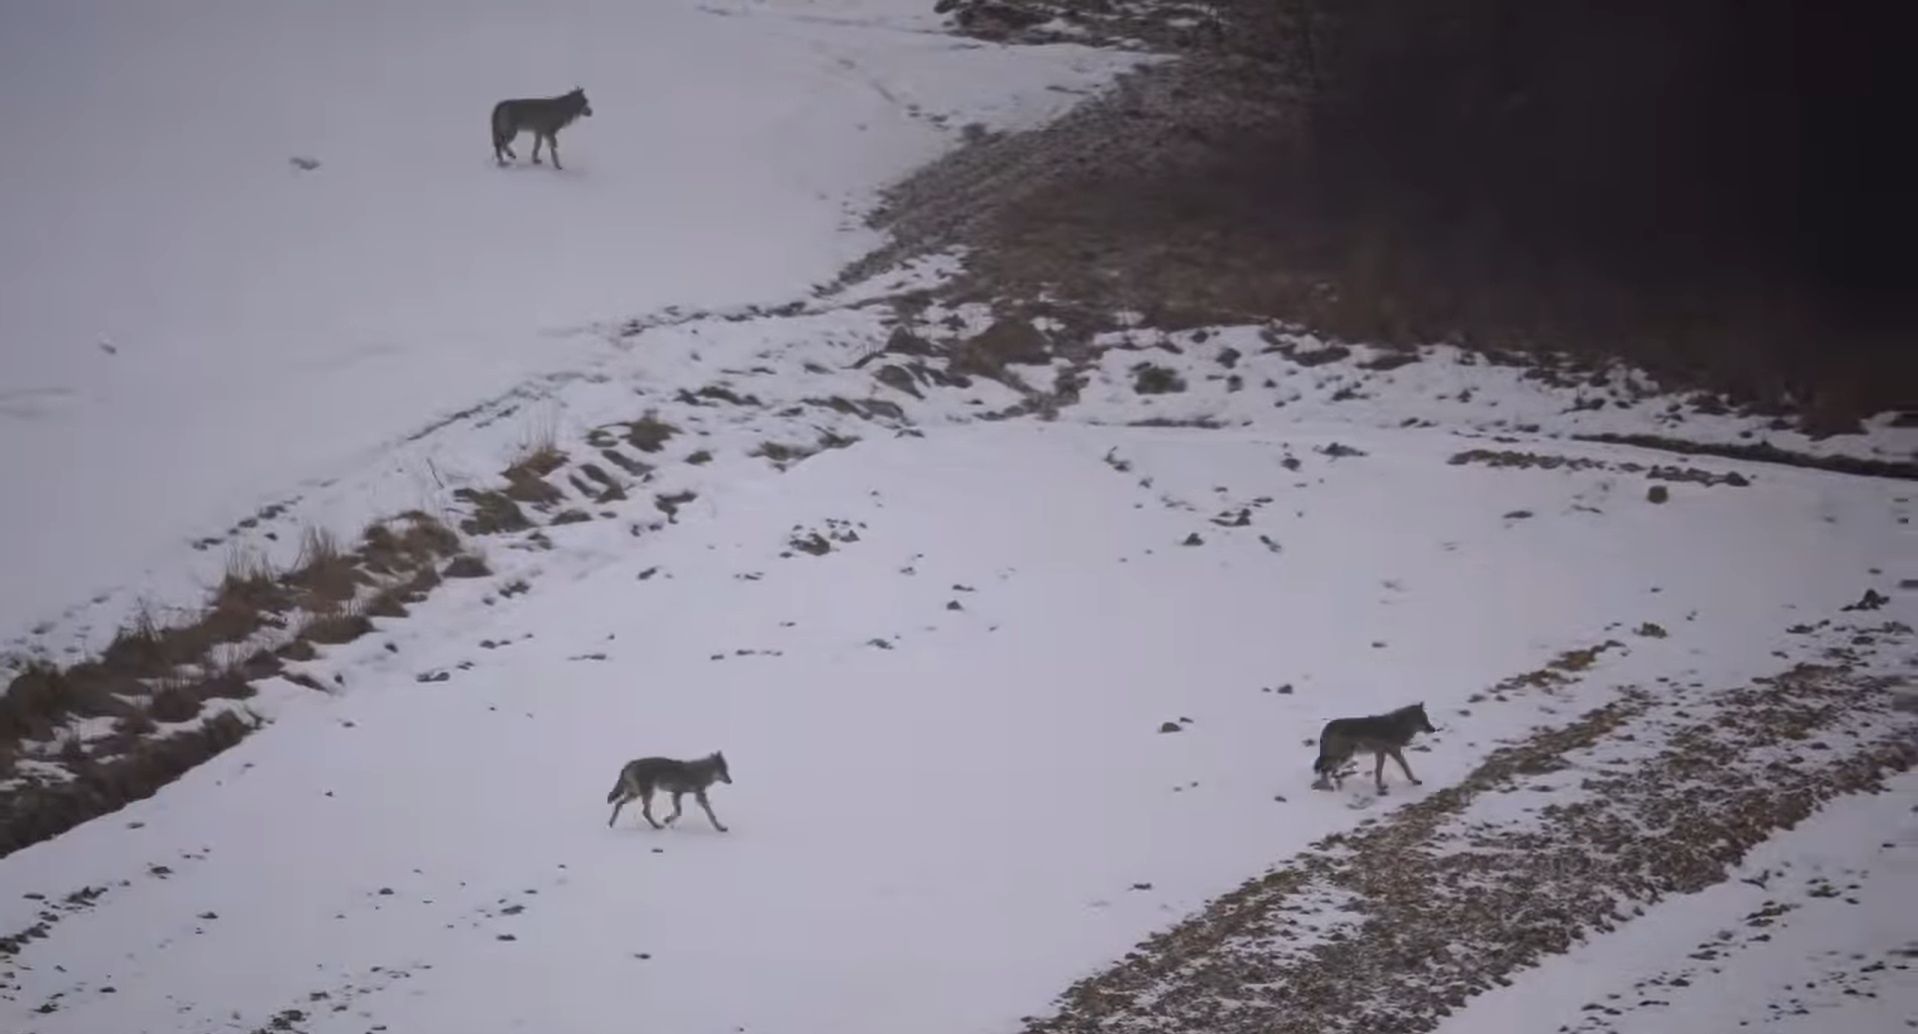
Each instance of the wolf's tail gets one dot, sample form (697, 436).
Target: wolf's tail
(613, 794)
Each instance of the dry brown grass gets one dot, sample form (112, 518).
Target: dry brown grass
(159, 671)
(410, 541)
(326, 578)
(780, 453)
(1211, 191)
(467, 565)
(493, 513)
(649, 433)
(344, 626)
(37, 813)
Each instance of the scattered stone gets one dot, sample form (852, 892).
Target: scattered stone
(811, 542)
(1871, 600)
(1152, 379)
(466, 565)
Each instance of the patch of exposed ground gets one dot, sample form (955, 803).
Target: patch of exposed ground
(1765, 452)
(1188, 195)
(1563, 835)
(171, 690)
(1519, 460)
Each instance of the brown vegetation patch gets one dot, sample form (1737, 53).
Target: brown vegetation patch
(1354, 168)
(636, 468)
(492, 513)
(467, 565)
(1765, 452)
(36, 813)
(781, 454)
(1438, 907)
(647, 434)
(864, 409)
(334, 629)
(1152, 379)
(156, 672)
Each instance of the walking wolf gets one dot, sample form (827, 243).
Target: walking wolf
(640, 778)
(1382, 734)
(544, 117)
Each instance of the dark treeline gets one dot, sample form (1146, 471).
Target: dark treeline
(1716, 187)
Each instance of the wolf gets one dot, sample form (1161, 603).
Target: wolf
(544, 117)
(1382, 734)
(642, 776)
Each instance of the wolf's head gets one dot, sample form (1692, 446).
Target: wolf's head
(1417, 714)
(578, 97)
(718, 761)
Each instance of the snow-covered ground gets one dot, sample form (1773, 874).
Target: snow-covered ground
(1002, 695)
(195, 328)
(952, 793)
(1813, 934)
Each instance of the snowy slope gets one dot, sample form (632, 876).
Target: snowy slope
(195, 328)
(1814, 934)
(933, 834)
(954, 796)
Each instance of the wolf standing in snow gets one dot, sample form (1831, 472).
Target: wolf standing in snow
(1381, 734)
(544, 117)
(640, 778)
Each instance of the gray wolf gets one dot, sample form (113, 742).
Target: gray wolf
(643, 776)
(1382, 734)
(544, 117)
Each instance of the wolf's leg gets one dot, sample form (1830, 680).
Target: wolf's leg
(552, 148)
(1398, 756)
(1378, 773)
(674, 817)
(646, 808)
(1327, 769)
(700, 795)
(537, 137)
